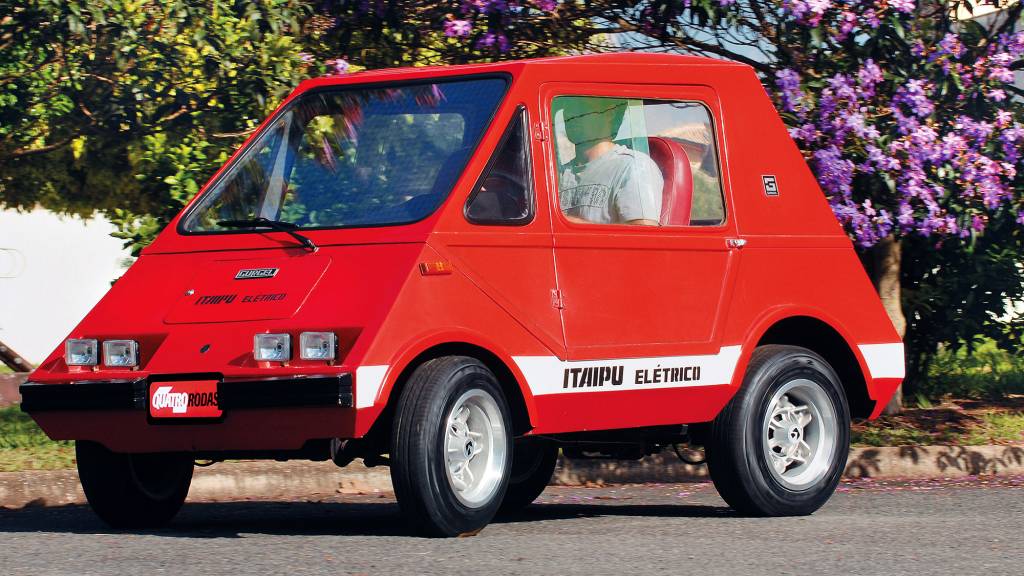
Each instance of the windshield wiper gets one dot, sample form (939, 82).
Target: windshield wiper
(277, 225)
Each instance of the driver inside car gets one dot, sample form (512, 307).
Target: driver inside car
(606, 182)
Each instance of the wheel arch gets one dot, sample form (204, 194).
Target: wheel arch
(824, 339)
(520, 401)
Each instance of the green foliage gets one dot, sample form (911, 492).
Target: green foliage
(997, 428)
(23, 446)
(127, 107)
(958, 297)
(888, 435)
(982, 371)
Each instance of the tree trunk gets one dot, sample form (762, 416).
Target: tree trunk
(885, 273)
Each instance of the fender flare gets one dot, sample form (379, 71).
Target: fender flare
(404, 359)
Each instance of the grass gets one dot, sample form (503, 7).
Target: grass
(986, 372)
(997, 428)
(23, 446)
(873, 435)
(960, 422)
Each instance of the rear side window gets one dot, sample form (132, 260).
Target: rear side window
(637, 162)
(504, 194)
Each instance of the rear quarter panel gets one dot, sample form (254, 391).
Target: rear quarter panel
(797, 260)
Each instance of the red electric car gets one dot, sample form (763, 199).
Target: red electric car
(461, 271)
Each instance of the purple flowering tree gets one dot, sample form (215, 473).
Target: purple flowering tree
(907, 115)
(913, 130)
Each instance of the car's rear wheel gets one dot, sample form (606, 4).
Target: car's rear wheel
(780, 446)
(133, 490)
(451, 447)
(533, 463)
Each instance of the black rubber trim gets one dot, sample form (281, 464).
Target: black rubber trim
(83, 396)
(289, 392)
(233, 394)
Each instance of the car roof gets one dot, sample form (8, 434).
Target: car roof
(547, 64)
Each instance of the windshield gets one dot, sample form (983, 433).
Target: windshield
(355, 157)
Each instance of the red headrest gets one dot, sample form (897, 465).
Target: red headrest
(677, 193)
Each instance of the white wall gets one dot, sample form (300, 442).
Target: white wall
(53, 270)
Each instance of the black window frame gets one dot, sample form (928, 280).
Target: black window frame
(523, 116)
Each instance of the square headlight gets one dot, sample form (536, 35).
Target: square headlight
(317, 346)
(272, 347)
(81, 352)
(120, 353)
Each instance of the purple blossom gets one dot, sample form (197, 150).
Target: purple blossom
(905, 6)
(869, 75)
(914, 95)
(835, 172)
(305, 57)
(819, 6)
(950, 45)
(493, 39)
(788, 82)
(806, 133)
(1001, 74)
(547, 5)
(339, 66)
(842, 86)
(457, 28)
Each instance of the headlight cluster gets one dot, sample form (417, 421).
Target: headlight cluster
(278, 347)
(116, 353)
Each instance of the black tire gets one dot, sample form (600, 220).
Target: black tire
(533, 464)
(737, 451)
(133, 490)
(419, 460)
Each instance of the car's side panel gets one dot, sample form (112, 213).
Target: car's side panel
(432, 310)
(513, 265)
(818, 283)
(796, 259)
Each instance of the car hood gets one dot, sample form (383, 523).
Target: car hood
(198, 312)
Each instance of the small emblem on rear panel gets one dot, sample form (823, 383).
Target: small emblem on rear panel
(255, 273)
(771, 187)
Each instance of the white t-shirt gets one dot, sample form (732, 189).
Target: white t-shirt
(619, 186)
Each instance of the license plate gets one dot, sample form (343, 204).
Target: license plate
(184, 399)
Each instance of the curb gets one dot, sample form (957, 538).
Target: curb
(300, 479)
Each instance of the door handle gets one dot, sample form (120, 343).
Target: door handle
(736, 243)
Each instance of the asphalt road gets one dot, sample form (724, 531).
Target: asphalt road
(949, 528)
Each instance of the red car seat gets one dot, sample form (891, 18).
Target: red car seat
(677, 192)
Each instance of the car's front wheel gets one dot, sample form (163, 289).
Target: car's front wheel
(780, 446)
(451, 447)
(133, 490)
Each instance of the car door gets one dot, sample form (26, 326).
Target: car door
(503, 240)
(641, 289)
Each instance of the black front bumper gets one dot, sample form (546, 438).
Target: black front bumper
(308, 391)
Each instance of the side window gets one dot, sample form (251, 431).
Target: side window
(636, 162)
(504, 194)
(687, 127)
